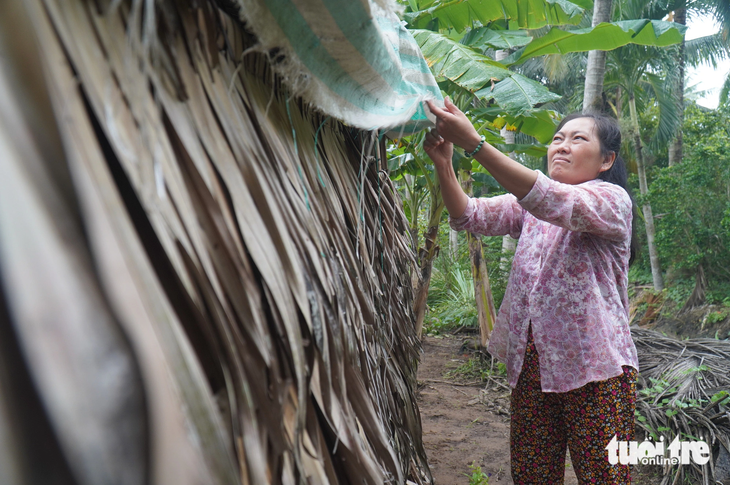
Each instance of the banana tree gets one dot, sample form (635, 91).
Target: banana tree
(486, 311)
(512, 97)
(454, 45)
(430, 249)
(412, 183)
(530, 14)
(410, 169)
(465, 71)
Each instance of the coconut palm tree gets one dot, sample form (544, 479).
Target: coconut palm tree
(596, 65)
(710, 48)
(633, 69)
(675, 149)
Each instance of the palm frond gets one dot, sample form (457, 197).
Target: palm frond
(720, 10)
(725, 90)
(635, 9)
(669, 114)
(710, 49)
(683, 389)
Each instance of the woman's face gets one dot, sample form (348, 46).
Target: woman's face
(574, 156)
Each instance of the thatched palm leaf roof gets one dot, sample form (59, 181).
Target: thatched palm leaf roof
(253, 252)
(678, 381)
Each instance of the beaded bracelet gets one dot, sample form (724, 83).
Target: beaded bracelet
(474, 152)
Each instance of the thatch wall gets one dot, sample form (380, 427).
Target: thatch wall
(202, 280)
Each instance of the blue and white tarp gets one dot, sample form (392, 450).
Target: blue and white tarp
(352, 59)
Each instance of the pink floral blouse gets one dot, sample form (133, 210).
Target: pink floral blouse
(569, 278)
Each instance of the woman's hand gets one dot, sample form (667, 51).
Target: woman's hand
(438, 150)
(454, 126)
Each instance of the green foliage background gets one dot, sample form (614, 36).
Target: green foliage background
(691, 204)
(529, 92)
(451, 295)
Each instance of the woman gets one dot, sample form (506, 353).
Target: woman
(562, 329)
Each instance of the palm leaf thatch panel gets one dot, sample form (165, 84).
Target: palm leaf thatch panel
(684, 391)
(203, 279)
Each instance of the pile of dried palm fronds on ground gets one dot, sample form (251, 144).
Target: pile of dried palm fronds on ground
(684, 391)
(201, 279)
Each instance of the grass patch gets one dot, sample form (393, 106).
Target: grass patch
(478, 368)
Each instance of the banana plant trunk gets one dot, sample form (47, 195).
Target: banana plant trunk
(453, 244)
(656, 270)
(675, 149)
(486, 312)
(596, 66)
(426, 255)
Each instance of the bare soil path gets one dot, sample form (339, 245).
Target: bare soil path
(464, 424)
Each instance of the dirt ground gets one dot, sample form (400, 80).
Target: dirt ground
(467, 423)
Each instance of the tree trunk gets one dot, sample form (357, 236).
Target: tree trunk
(509, 245)
(509, 139)
(675, 149)
(697, 297)
(414, 207)
(596, 67)
(453, 244)
(486, 311)
(501, 54)
(426, 256)
(656, 270)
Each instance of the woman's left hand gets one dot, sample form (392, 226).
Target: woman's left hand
(453, 125)
(438, 150)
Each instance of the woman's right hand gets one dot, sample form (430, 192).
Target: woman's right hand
(453, 125)
(439, 150)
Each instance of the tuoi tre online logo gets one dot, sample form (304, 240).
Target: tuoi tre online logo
(653, 452)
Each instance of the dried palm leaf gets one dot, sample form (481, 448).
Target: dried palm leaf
(253, 251)
(683, 390)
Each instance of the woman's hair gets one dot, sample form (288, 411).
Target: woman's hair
(609, 137)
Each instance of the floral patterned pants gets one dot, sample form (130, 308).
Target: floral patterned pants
(584, 420)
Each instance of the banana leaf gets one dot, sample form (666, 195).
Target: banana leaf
(529, 14)
(604, 36)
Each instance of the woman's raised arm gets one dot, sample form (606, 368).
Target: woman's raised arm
(452, 126)
(440, 152)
